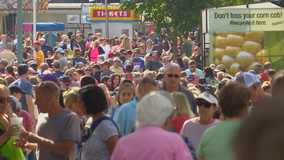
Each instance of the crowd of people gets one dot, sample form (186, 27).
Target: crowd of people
(95, 98)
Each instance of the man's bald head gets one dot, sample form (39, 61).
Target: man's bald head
(172, 66)
(172, 75)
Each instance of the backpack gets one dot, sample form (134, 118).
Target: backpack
(94, 53)
(87, 134)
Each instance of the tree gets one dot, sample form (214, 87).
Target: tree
(178, 15)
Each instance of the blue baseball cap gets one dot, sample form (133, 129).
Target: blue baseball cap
(59, 50)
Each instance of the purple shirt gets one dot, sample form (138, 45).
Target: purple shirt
(151, 142)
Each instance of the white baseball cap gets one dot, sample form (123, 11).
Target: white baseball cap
(208, 97)
(247, 79)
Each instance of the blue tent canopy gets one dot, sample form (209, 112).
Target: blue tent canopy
(43, 27)
(50, 27)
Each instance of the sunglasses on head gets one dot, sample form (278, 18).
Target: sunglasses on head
(3, 99)
(173, 75)
(200, 103)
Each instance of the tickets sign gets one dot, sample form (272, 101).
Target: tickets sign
(114, 13)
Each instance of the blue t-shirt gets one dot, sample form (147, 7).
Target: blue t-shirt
(155, 40)
(138, 61)
(87, 40)
(50, 42)
(26, 86)
(125, 117)
(188, 72)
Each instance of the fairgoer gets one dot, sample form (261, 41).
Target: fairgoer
(216, 141)
(57, 134)
(125, 116)
(152, 125)
(172, 79)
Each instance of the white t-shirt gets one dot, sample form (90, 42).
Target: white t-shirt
(106, 48)
(193, 130)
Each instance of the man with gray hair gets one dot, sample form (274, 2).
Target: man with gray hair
(154, 113)
(58, 132)
(125, 116)
(172, 79)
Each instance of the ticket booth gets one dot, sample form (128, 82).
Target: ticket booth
(120, 21)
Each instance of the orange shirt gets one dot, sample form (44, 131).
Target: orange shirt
(39, 55)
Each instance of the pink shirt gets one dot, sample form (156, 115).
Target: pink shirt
(115, 48)
(27, 119)
(178, 122)
(151, 142)
(193, 130)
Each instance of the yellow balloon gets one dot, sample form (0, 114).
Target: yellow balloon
(222, 34)
(252, 66)
(255, 36)
(252, 47)
(228, 61)
(217, 61)
(237, 33)
(232, 51)
(234, 69)
(260, 57)
(245, 59)
(220, 42)
(235, 40)
(218, 53)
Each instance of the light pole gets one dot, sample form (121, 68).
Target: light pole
(34, 23)
(20, 30)
(106, 15)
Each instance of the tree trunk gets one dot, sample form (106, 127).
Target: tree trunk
(174, 44)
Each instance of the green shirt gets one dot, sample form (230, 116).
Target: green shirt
(216, 141)
(186, 48)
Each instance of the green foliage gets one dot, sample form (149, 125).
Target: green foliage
(180, 15)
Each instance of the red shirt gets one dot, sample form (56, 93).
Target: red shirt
(264, 77)
(178, 121)
(129, 76)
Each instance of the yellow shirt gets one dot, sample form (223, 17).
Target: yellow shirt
(117, 70)
(39, 55)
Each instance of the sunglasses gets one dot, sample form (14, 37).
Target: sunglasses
(192, 67)
(88, 70)
(173, 75)
(3, 99)
(205, 104)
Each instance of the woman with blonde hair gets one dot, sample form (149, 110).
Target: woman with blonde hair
(105, 89)
(6, 130)
(28, 43)
(71, 102)
(150, 46)
(183, 110)
(125, 44)
(125, 94)
(196, 55)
